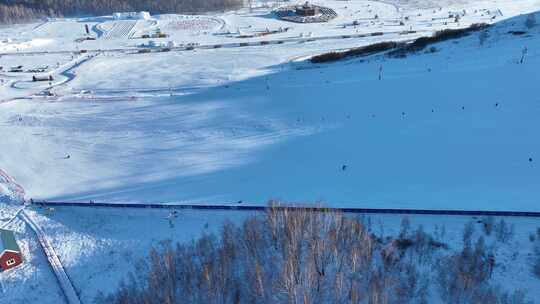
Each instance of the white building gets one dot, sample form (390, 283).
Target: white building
(132, 15)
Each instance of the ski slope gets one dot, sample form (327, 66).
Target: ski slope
(452, 129)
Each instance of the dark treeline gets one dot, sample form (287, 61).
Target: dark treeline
(12, 11)
(296, 256)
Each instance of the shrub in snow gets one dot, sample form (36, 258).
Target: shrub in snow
(355, 52)
(463, 277)
(468, 232)
(503, 231)
(439, 36)
(536, 261)
(517, 297)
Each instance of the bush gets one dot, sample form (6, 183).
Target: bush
(285, 256)
(536, 259)
(463, 277)
(439, 36)
(503, 231)
(488, 223)
(355, 52)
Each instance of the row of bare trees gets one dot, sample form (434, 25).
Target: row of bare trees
(12, 11)
(301, 256)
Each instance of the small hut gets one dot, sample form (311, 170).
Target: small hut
(10, 253)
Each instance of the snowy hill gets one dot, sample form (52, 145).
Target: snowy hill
(450, 129)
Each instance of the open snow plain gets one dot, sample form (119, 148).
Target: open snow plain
(258, 122)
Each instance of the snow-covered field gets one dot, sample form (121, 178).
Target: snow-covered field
(453, 129)
(230, 124)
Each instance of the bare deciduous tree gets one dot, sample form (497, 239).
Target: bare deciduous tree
(303, 256)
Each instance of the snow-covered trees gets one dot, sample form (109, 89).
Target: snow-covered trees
(301, 256)
(463, 277)
(23, 10)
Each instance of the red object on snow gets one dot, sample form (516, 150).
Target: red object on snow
(10, 253)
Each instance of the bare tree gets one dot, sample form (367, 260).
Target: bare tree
(290, 255)
(536, 259)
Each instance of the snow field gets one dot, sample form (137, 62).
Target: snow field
(237, 137)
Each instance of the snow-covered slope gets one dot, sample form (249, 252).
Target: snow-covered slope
(450, 129)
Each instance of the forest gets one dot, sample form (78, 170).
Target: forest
(17, 11)
(292, 256)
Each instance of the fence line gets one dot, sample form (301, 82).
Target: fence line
(314, 209)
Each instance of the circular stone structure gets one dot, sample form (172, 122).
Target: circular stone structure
(305, 13)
